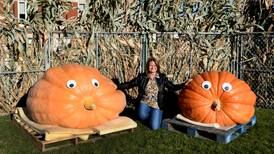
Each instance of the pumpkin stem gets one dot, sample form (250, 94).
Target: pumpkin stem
(89, 103)
(216, 105)
(90, 106)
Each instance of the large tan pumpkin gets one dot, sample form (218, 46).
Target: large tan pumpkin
(74, 96)
(217, 97)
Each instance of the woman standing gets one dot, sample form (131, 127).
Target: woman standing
(151, 90)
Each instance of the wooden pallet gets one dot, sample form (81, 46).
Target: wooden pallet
(48, 137)
(216, 134)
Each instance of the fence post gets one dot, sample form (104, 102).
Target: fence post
(97, 51)
(236, 55)
(190, 65)
(144, 51)
(234, 52)
(47, 53)
(239, 56)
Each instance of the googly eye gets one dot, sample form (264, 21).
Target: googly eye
(206, 85)
(227, 86)
(71, 83)
(95, 83)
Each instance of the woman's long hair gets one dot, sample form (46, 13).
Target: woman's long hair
(155, 61)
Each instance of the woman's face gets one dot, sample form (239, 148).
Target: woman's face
(152, 67)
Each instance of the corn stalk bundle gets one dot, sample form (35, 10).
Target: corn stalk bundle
(211, 52)
(18, 54)
(13, 87)
(22, 51)
(174, 15)
(120, 57)
(72, 48)
(189, 54)
(173, 53)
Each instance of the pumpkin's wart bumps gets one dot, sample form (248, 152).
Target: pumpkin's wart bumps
(74, 96)
(217, 97)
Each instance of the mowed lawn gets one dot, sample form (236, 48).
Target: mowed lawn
(258, 139)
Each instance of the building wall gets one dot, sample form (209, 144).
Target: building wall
(69, 15)
(73, 12)
(15, 8)
(1, 7)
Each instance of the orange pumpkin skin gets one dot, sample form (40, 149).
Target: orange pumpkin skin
(219, 103)
(74, 96)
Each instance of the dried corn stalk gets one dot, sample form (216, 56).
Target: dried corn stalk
(120, 57)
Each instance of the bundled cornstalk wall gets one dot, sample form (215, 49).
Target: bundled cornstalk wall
(122, 56)
(19, 70)
(66, 48)
(184, 55)
(117, 55)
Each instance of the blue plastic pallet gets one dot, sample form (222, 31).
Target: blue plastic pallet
(221, 136)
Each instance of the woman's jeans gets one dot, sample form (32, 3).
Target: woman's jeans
(154, 116)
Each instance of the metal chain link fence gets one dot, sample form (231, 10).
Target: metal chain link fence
(250, 56)
(255, 65)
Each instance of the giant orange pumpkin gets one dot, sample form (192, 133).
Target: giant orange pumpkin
(74, 96)
(217, 97)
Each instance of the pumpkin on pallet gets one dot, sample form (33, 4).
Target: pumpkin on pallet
(217, 98)
(74, 96)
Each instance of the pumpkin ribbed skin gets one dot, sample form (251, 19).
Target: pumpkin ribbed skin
(94, 100)
(221, 103)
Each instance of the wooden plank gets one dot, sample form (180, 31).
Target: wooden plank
(115, 125)
(53, 132)
(50, 137)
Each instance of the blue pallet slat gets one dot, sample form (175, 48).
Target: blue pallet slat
(192, 132)
(215, 134)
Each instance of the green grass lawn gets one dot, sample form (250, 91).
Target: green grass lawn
(258, 139)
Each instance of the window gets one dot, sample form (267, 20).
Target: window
(22, 7)
(81, 7)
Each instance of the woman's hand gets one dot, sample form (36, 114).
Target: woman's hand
(188, 81)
